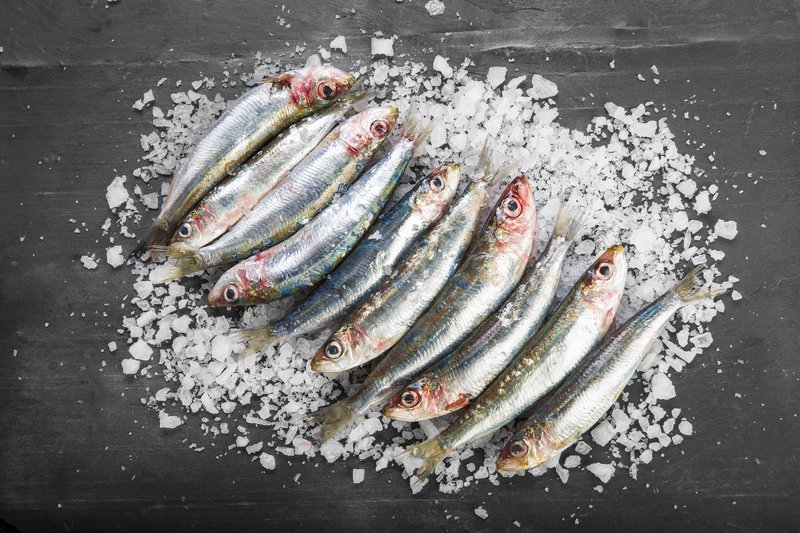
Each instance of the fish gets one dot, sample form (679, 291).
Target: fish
(493, 266)
(387, 314)
(310, 187)
(363, 270)
(556, 422)
(576, 327)
(460, 377)
(232, 199)
(306, 257)
(253, 119)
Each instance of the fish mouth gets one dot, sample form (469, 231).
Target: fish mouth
(512, 464)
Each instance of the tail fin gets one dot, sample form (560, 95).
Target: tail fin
(256, 340)
(154, 236)
(415, 131)
(181, 269)
(569, 222)
(333, 418)
(431, 451)
(690, 288)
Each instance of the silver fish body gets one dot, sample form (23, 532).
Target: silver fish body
(591, 389)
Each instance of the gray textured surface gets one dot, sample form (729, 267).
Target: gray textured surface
(79, 452)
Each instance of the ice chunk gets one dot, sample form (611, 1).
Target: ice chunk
(267, 461)
(603, 471)
(116, 193)
(114, 256)
(382, 47)
(168, 421)
(725, 229)
(140, 350)
(434, 7)
(542, 88)
(130, 366)
(441, 65)
(496, 76)
(358, 475)
(339, 43)
(661, 387)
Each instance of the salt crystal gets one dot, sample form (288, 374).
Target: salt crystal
(254, 448)
(582, 448)
(482, 513)
(358, 475)
(726, 229)
(685, 427)
(603, 471)
(112, 346)
(140, 350)
(130, 366)
(702, 202)
(661, 387)
(572, 461)
(181, 324)
(441, 65)
(168, 421)
(221, 348)
(434, 7)
(116, 193)
(161, 394)
(114, 256)
(382, 47)
(267, 461)
(703, 341)
(89, 263)
(496, 76)
(687, 188)
(736, 295)
(339, 43)
(331, 450)
(542, 88)
(603, 433)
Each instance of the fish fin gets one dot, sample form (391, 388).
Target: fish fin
(416, 131)
(491, 174)
(357, 94)
(284, 79)
(569, 222)
(333, 418)
(256, 340)
(157, 234)
(431, 451)
(460, 402)
(172, 251)
(690, 288)
(182, 268)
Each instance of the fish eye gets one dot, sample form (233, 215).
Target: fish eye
(511, 207)
(326, 90)
(409, 398)
(604, 271)
(379, 128)
(185, 230)
(518, 448)
(437, 184)
(231, 293)
(333, 350)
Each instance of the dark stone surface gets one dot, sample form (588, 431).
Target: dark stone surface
(79, 452)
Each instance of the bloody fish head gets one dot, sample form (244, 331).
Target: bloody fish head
(526, 449)
(436, 190)
(365, 131)
(339, 351)
(420, 400)
(244, 284)
(314, 87)
(604, 281)
(515, 213)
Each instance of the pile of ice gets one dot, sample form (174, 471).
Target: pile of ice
(624, 168)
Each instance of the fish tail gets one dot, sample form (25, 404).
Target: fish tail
(569, 222)
(415, 130)
(157, 234)
(333, 418)
(690, 288)
(181, 269)
(256, 340)
(432, 452)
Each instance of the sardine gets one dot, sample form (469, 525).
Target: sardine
(576, 327)
(306, 257)
(592, 388)
(369, 263)
(491, 270)
(256, 117)
(461, 376)
(308, 189)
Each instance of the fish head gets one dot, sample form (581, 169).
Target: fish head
(603, 283)
(434, 192)
(314, 88)
(526, 449)
(190, 232)
(514, 219)
(364, 132)
(421, 400)
(243, 284)
(340, 351)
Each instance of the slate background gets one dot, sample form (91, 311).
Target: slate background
(78, 452)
